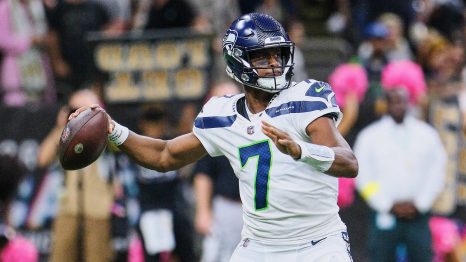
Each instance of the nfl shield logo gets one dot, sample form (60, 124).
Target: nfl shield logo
(250, 130)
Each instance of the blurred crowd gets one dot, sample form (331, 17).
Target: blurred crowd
(409, 199)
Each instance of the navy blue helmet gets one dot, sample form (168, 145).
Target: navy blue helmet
(257, 32)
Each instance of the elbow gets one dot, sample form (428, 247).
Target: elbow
(353, 169)
(164, 166)
(159, 167)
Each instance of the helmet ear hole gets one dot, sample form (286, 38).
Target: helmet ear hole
(255, 32)
(237, 52)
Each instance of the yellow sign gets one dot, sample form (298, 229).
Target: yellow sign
(142, 69)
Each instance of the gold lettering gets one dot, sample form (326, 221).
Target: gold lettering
(139, 57)
(109, 57)
(189, 83)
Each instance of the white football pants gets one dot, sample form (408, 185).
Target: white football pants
(333, 248)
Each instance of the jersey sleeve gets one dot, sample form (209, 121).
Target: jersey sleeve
(203, 123)
(318, 99)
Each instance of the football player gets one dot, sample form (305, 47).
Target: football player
(281, 139)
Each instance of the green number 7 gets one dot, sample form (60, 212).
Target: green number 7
(261, 150)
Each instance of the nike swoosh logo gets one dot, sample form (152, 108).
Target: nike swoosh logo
(317, 241)
(319, 89)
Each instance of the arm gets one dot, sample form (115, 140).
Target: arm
(350, 111)
(59, 65)
(48, 149)
(157, 154)
(323, 132)
(163, 155)
(203, 192)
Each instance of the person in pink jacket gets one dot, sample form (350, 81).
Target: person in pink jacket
(25, 75)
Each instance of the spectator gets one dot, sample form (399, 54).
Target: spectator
(119, 12)
(164, 224)
(81, 230)
(442, 60)
(12, 248)
(296, 32)
(370, 10)
(217, 16)
(271, 7)
(447, 17)
(164, 14)
(373, 57)
(349, 82)
(218, 206)
(397, 45)
(409, 75)
(25, 74)
(373, 51)
(72, 59)
(12, 172)
(402, 167)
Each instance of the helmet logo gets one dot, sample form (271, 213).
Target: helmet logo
(244, 77)
(229, 40)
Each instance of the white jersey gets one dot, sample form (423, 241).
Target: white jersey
(284, 201)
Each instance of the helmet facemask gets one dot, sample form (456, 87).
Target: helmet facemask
(277, 77)
(254, 60)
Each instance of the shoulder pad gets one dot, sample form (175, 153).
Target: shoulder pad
(217, 112)
(219, 106)
(312, 90)
(318, 88)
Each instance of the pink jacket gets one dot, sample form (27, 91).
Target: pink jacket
(11, 45)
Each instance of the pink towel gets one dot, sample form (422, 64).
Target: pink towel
(445, 236)
(348, 78)
(19, 250)
(345, 192)
(407, 74)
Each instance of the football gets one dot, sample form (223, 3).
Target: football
(83, 139)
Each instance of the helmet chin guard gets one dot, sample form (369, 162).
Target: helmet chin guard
(272, 84)
(257, 32)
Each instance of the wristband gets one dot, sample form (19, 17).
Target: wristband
(320, 157)
(119, 134)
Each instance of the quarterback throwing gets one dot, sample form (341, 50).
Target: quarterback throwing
(279, 136)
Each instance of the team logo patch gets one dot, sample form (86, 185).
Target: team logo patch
(78, 148)
(319, 87)
(250, 130)
(229, 40)
(315, 242)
